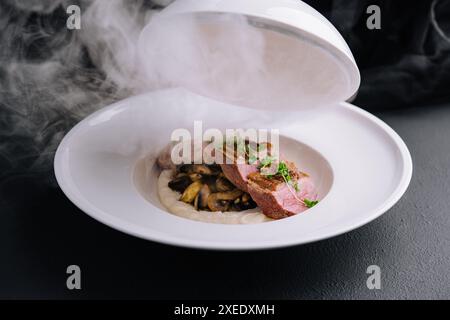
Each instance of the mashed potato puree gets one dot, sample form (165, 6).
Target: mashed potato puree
(170, 199)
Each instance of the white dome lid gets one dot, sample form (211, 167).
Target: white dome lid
(263, 54)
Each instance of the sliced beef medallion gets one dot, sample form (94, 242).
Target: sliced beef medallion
(238, 173)
(164, 160)
(276, 198)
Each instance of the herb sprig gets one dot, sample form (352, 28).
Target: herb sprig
(266, 162)
(283, 171)
(310, 203)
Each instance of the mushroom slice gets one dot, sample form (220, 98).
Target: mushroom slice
(243, 203)
(220, 201)
(223, 184)
(220, 205)
(196, 202)
(246, 197)
(185, 168)
(202, 169)
(180, 183)
(211, 182)
(201, 201)
(195, 176)
(191, 192)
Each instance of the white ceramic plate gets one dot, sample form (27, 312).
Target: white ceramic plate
(360, 165)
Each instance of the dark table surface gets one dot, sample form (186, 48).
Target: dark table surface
(42, 232)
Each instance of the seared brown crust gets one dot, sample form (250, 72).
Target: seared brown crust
(263, 182)
(267, 201)
(237, 172)
(264, 192)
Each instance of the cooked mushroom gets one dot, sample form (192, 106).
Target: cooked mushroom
(201, 200)
(195, 176)
(211, 182)
(202, 169)
(220, 201)
(180, 183)
(191, 192)
(196, 202)
(223, 184)
(195, 168)
(184, 168)
(243, 203)
(206, 188)
(215, 168)
(220, 205)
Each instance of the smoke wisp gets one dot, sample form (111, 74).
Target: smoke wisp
(51, 77)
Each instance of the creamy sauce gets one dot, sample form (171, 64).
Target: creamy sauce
(170, 199)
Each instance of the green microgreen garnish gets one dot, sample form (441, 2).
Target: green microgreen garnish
(252, 159)
(310, 203)
(283, 171)
(266, 162)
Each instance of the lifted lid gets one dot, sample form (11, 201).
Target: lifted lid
(263, 54)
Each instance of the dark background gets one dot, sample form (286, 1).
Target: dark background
(45, 90)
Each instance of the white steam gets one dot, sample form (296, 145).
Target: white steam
(192, 53)
(52, 77)
(231, 58)
(110, 33)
